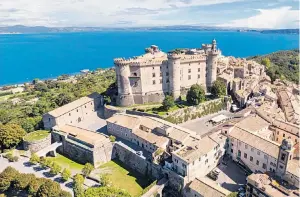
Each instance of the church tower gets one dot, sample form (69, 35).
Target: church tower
(284, 156)
(212, 63)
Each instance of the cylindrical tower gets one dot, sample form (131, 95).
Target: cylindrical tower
(212, 63)
(125, 97)
(174, 70)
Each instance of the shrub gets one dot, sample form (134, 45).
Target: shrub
(195, 95)
(34, 159)
(112, 138)
(55, 168)
(6, 177)
(35, 184)
(78, 185)
(104, 180)
(49, 188)
(218, 89)
(15, 158)
(22, 181)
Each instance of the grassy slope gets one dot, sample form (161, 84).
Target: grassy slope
(283, 63)
(65, 162)
(125, 178)
(37, 135)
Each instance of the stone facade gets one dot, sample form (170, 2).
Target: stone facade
(148, 78)
(37, 145)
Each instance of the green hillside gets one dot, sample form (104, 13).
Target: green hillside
(281, 64)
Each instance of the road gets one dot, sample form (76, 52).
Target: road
(23, 166)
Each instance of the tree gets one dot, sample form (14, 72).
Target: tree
(104, 180)
(66, 174)
(63, 98)
(233, 194)
(105, 192)
(78, 185)
(42, 87)
(87, 169)
(55, 168)
(64, 194)
(11, 135)
(168, 102)
(218, 88)
(195, 95)
(35, 184)
(6, 177)
(34, 159)
(49, 189)
(266, 62)
(22, 181)
(45, 162)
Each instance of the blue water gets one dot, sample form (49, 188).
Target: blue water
(24, 57)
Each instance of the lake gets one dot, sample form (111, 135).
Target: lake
(24, 57)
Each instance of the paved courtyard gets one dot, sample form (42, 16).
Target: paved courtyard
(201, 125)
(231, 176)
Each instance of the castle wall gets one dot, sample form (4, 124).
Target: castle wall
(37, 145)
(193, 73)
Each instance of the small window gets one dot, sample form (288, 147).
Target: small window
(49, 119)
(264, 166)
(153, 68)
(167, 81)
(198, 76)
(231, 150)
(189, 71)
(77, 110)
(199, 69)
(257, 162)
(246, 146)
(160, 68)
(167, 74)
(153, 74)
(153, 82)
(251, 158)
(69, 114)
(283, 135)
(85, 106)
(245, 155)
(160, 74)
(189, 77)
(296, 141)
(160, 81)
(91, 103)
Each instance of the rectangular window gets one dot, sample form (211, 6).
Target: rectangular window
(153, 74)
(167, 81)
(245, 155)
(231, 150)
(189, 71)
(264, 166)
(239, 153)
(167, 74)
(198, 76)
(153, 82)
(160, 81)
(231, 144)
(251, 158)
(257, 162)
(189, 77)
(206, 161)
(282, 157)
(283, 135)
(183, 165)
(198, 69)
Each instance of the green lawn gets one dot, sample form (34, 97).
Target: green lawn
(65, 162)
(125, 178)
(37, 135)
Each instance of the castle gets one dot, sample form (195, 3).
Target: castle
(149, 77)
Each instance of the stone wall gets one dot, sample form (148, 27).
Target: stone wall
(138, 113)
(109, 111)
(37, 145)
(193, 112)
(135, 162)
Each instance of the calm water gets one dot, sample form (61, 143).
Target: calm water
(25, 57)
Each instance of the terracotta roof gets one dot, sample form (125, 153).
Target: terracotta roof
(125, 120)
(159, 141)
(73, 105)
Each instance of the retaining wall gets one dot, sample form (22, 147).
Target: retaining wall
(37, 145)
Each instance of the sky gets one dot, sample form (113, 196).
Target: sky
(273, 14)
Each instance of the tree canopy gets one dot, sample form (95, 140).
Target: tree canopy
(195, 95)
(218, 89)
(168, 102)
(87, 169)
(11, 135)
(105, 192)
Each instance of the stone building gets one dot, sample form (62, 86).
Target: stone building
(74, 112)
(147, 78)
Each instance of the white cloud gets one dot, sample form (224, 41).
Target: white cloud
(283, 17)
(93, 12)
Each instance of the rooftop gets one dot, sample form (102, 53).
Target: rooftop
(208, 188)
(253, 123)
(90, 137)
(267, 146)
(71, 106)
(269, 186)
(157, 140)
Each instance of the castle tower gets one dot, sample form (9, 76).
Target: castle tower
(174, 77)
(285, 155)
(212, 63)
(125, 97)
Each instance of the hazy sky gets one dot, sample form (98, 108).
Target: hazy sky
(111, 13)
